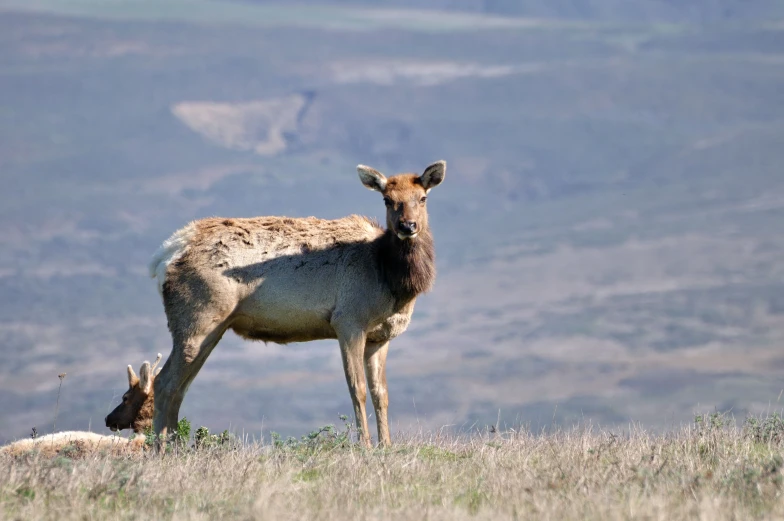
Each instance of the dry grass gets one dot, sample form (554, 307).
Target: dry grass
(707, 471)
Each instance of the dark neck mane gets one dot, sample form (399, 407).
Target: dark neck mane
(143, 420)
(406, 266)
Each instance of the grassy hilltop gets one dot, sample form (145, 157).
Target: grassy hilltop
(708, 471)
(608, 237)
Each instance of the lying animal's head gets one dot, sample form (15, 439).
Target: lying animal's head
(138, 405)
(404, 197)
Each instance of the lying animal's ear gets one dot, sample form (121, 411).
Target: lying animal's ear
(433, 175)
(132, 378)
(372, 179)
(145, 378)
(157, 361)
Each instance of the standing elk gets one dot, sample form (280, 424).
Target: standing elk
(282, 280)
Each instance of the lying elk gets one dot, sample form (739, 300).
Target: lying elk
(285, 280)
(73, 443)
(135, 412)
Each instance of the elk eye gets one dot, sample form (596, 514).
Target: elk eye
(423, 200)
(387, 201)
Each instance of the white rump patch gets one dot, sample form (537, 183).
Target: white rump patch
(171, 250)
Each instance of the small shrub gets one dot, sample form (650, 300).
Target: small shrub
(708, 423)
(323, 438)
(203, 439)
(769, 430)
(149, 436)
(183, 434)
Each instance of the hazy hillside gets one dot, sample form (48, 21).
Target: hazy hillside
(609, 238)
(699, 11)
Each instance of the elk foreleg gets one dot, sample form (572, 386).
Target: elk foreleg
(352, 348)
(186, 359)
(376, 369)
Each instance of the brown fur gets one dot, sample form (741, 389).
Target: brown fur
(281, 279)
(408, 267)
(138, 402)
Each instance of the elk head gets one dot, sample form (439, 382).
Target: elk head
(405, 196)
(138, 405)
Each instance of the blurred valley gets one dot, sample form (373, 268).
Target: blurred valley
(609, 234)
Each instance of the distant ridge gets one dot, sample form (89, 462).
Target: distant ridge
(643, 11)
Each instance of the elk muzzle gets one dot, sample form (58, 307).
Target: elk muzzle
(117, 420)
(407, 229)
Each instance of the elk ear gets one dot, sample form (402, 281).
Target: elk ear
(132, 379)
(372, 179)
(155, 364)
(145, 378)
(433, 175)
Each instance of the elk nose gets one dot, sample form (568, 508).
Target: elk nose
(407, 226)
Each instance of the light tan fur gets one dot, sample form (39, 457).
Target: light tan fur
(74, 443)
(284, 280)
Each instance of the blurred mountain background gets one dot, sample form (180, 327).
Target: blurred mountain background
(609, 234)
